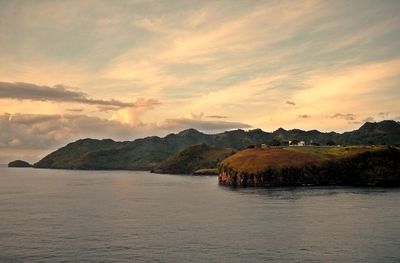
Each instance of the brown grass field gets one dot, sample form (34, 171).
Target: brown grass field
(256, 160)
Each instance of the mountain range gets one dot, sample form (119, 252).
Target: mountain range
(147, 153)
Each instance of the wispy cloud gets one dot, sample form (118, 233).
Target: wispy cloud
(75, 110)
(203, 125)
(364, 34)
(383, 115)
(215, 45)
(217, 117)
(347, 116)
(368, 119)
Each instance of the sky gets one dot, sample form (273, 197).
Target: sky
(129, 69)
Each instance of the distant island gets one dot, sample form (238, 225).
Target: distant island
(155, 153)
(19, 163)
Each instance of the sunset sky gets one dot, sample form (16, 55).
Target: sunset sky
(128, 69)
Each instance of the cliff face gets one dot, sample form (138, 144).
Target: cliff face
(367, 168)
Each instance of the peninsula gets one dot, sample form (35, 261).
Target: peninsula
(299, 166)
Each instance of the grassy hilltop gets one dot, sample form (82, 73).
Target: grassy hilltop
(357, 165)
(201, 159)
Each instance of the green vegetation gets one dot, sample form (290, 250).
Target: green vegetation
(193, 158)
(75, 155)
(328, 152)
(291, 166)
(255, 160)
(330, 143)
(149, 152)
(19, 163)
(212, 171)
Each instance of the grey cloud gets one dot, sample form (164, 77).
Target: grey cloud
(105, 108)
(304, 116)
(217, 117)
(36, 131)
(203, 125)
(383, 114)
(348, 116)
(58, 93)
(290, 103)
(368, 119)
(31, 131)
(74, 110)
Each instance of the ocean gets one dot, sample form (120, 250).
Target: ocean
(132, 216)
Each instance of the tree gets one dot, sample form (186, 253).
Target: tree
(274, 142)
(330, 143)
(285, 142)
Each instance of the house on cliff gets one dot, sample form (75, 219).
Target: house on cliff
(297, 143)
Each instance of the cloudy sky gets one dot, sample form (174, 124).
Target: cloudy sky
(126, 69)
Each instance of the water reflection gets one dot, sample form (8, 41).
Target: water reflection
(309, 191)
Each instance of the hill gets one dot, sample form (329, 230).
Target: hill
(291, 166)
(19, 163)
(192, 159)
(74, 155)
(147, 153)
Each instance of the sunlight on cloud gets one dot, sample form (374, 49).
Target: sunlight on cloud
(335, 86)
(132, 115)
(355, 89)
(215, 46)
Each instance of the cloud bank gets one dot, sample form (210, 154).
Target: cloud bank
(33, 131)
(59, 93)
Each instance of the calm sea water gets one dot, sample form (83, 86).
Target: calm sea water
(126, 216)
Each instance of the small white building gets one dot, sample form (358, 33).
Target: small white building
(300, 143)
(264, 146)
